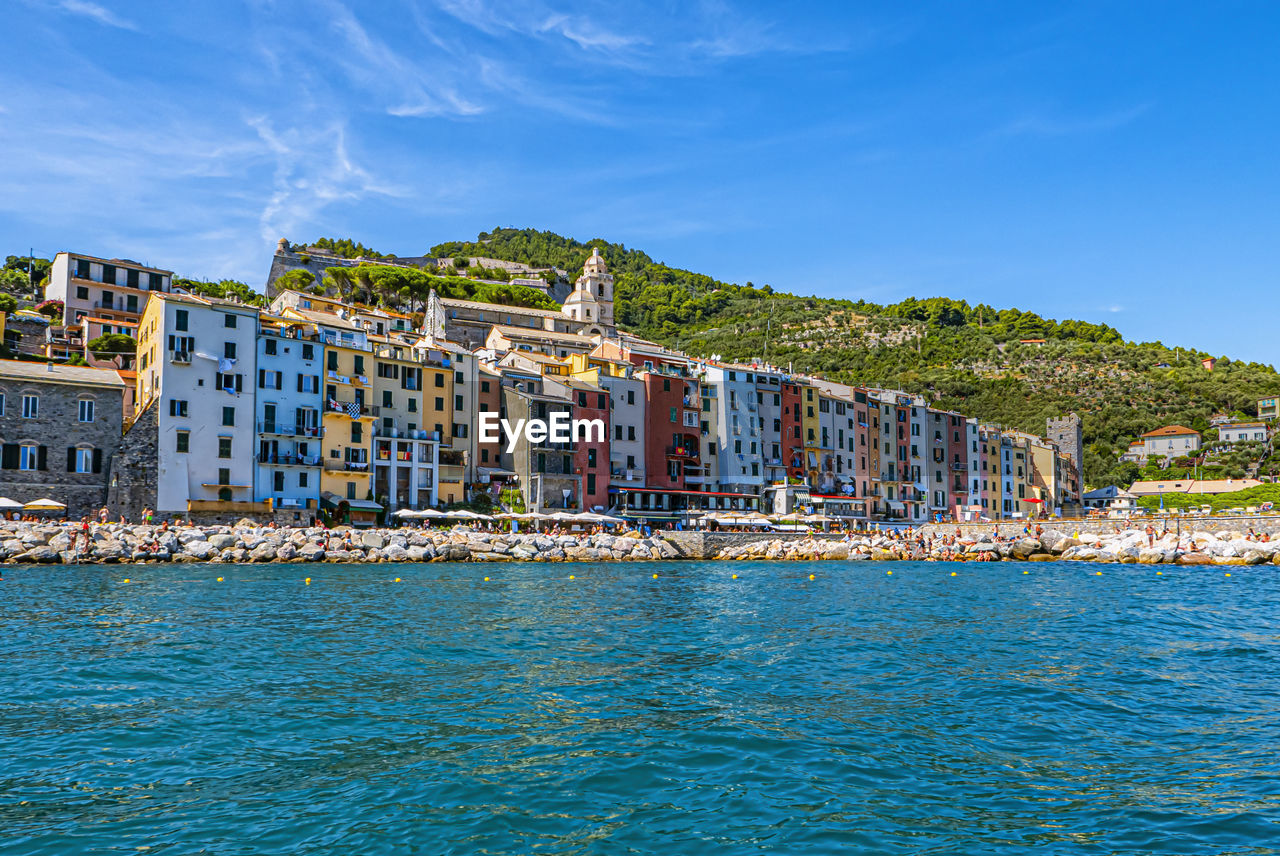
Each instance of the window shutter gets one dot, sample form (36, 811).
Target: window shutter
(71, 459)
(97, 460)
(239, 383)
(9, 456)
(42, 458)
(316, 386)
(279, 380)
(262, 378)
(299, 383)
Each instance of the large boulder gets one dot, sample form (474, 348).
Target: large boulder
(199, 549)
(41, 553)
(373, 539)
(1024, 547)
(223, 540)
(264, 552)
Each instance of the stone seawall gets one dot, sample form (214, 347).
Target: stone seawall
(1259, 524)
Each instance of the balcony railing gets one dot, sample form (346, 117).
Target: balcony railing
(681, 452)
(341, 466)
(287, 430)
(348, 408)
(959, 466)
(287, 460)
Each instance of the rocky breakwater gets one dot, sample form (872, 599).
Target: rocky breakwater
(1125, 547)
(246, 543)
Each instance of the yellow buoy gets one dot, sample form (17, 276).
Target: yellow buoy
(1228, 574)
(570, 576)
(655, 576)
(486, 579)
(1026, 572)
(810, 576)
(126, 579)
(219, 579)
(953, 573)
(735, 576)
(397, 579)
(889, 572)
(1159, 573)
(1098, 574)
(308, 580)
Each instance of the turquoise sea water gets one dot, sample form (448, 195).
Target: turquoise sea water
(993, 712)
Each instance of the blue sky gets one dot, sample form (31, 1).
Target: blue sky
(1111, 162)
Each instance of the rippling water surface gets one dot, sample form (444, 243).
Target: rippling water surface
(992, 712)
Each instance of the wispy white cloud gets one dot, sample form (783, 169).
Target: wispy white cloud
(313, 170)
(101, 14)
(1045, 125)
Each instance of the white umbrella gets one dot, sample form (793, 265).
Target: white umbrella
(6, 502)
(564, 516)
(430, 512)
(44, 503)
(405, 512)
(464, 514)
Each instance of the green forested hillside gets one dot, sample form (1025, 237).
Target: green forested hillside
(961, 356)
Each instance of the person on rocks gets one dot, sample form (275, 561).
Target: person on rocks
(1151, 535)
(103, 515)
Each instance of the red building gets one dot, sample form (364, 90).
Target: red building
(792, 431)
(591, 456)
(671, 438)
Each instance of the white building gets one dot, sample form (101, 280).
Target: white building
(288, 413)
(198, 363)
(740, 463)
(591, 301)
(1243, 432)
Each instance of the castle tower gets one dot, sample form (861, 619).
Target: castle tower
(591, 301)
(1068, 433)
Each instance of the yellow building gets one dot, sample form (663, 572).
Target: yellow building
(413, 409)
(348, 418)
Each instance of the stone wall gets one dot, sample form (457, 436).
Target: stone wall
(135, 469)
(1013, 529)
(57, 428)
(702, 544)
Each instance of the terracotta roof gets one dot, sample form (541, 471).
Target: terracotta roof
(1171, 431)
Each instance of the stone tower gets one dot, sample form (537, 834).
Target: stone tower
(591, 301)
(1068, 433)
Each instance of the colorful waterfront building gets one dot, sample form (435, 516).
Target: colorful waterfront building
(197, 362)
(288, 408)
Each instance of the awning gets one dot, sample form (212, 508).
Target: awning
(490, 472)
(333, 501)
(895, 505)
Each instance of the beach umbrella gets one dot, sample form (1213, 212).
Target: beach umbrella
(44, 505)
(564, 516)
(6, 502)
(405, 512)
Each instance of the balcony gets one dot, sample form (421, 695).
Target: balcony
(180, 358)
(284, 429)
(338, 378)
(349, 409)
(229, 506)
(338, 465)
(959, 466)
(681, 452)
(287, 460)
(450, 473)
